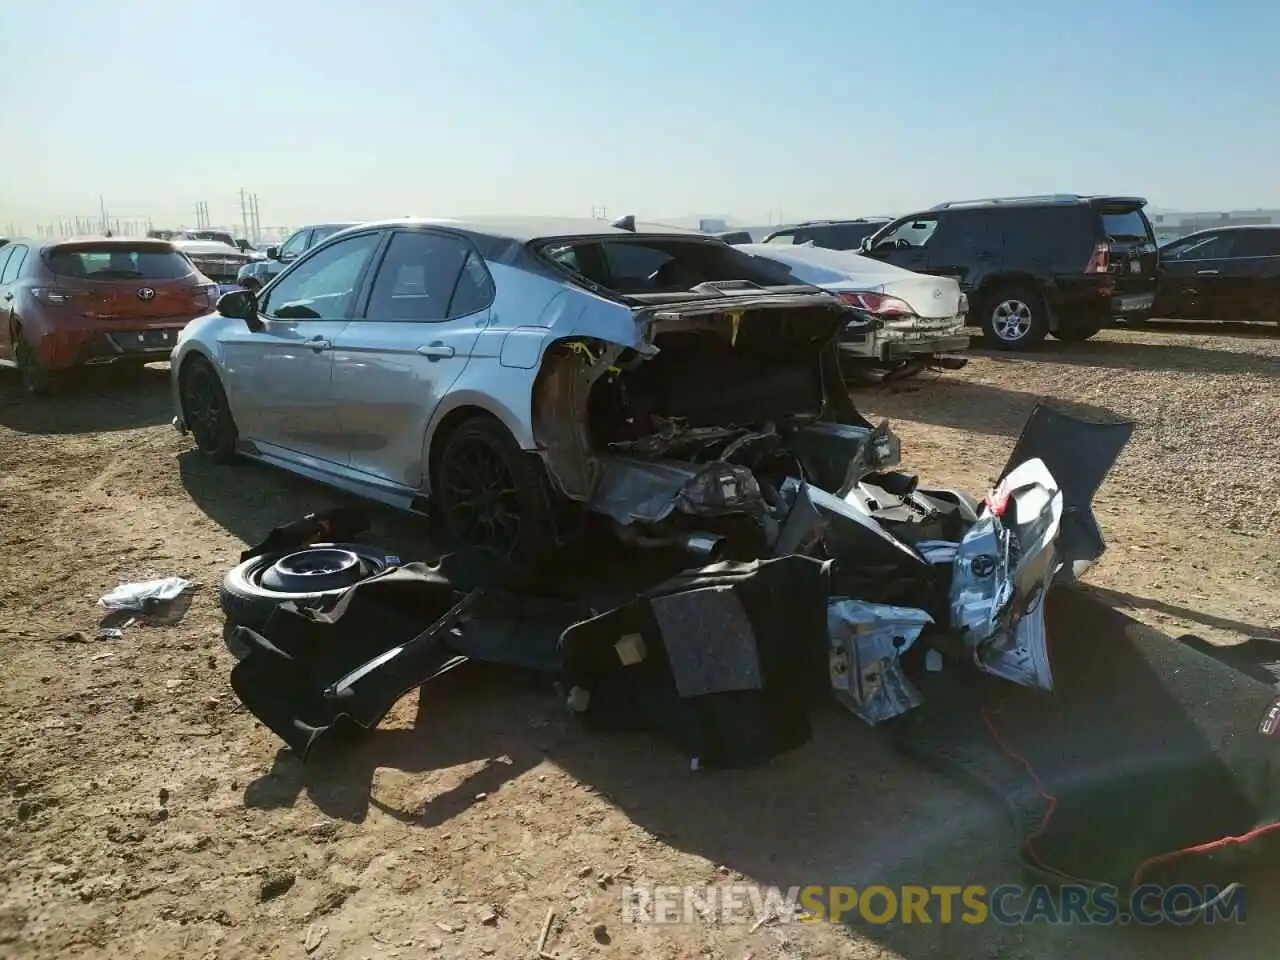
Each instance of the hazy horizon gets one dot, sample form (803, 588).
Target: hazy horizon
(774, 113)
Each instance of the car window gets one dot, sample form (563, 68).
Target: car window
(1212, 247)
(1257, 243)
(143, 260)
(429, 276)
(322, 233)
(1128, 225)
(915, 232)
(295, 245)
(631, 264)
(783, 237)
(17, 254)
(847, 236)
(323, 286)
(4, 258)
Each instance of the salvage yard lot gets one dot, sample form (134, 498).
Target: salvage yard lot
(144, 814)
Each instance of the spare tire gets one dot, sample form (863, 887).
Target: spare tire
(308, 577)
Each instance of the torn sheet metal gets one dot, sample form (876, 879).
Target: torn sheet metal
(633, 490)
(849, 522)
(867, 643)
(1002, 571)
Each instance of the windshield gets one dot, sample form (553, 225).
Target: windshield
(119, 262)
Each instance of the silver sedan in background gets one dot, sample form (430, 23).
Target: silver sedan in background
(922, 316)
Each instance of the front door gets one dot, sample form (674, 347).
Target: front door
(1191, 277)
(12, 257)
(429, 301)
(280, 379)
(905, 243)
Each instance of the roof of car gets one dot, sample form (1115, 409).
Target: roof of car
(833, 223)
(98, 239)
(203, 246)
(526, 229)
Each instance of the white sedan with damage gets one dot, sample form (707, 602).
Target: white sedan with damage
(922, 317)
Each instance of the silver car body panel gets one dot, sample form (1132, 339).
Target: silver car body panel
(357, 403)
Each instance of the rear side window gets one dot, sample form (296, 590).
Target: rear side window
(320, 233)
(849, 235)
(1257, 243)
(429, 276)
(1125, 226)
(784, 237)
(118, 262)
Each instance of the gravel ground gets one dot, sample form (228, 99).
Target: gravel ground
(144, 814)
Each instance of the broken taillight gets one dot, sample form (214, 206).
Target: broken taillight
(880, 304)
(1100, 260)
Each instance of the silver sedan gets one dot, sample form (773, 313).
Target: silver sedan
(509, 372)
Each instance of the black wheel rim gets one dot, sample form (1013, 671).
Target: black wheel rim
(479, 492)
(203, 408)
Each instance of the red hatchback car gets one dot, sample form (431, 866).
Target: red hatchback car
(83, 303)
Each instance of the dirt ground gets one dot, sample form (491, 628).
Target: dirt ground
(144, 814)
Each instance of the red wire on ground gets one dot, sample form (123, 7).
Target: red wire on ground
(1051, 804)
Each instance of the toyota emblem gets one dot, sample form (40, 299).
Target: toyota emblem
(146, 293)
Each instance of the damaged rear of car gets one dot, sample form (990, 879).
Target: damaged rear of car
(711, 381)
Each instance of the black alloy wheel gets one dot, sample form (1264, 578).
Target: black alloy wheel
(206, 412)
(490, 493)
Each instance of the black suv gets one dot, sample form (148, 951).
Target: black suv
(831, 234)
(1061, 264)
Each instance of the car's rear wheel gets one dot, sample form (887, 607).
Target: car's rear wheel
(490, 493)
(1016, 318)
(36, 381)
(206, 411)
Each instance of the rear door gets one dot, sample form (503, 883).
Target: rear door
(393, 364)
(1249, 287)
(1134, 259)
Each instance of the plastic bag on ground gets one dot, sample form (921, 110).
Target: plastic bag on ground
(144, 595)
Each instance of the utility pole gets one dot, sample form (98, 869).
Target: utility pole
(102, 205)
(244, 214)
(256, 214)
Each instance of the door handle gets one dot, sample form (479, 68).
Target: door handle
(436, 350)
(318, 344)
(1206, 273)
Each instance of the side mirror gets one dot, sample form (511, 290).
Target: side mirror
(273, 253)
(865, 244)
(241, 305)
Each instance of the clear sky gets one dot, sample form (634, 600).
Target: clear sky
(362, 108)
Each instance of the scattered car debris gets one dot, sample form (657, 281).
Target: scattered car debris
(819, 571)
(145, 596)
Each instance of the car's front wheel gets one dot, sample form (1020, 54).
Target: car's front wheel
(490, 493)
(206, 411)
(1016, 318)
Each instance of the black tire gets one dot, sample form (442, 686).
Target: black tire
(1014, 317)
(489, 493)
(206, 412)
(36, 381)
(1077, 329)
(247, 602)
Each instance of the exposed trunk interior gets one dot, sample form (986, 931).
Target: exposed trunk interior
(724, 369)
